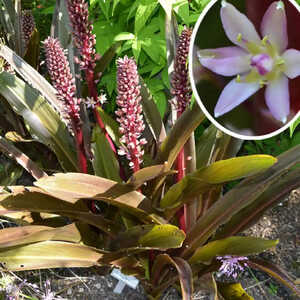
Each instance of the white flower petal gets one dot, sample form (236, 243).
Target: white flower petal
(292, 63)
(233, 95)
(274, 25)
(237, 26)
(278, 98)
(226, 61)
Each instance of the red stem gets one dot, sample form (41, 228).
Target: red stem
(93, 93)
(80, 151)
(180, 166)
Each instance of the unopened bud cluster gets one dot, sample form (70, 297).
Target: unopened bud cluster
(129, 113)
(181, 89)
(84, 39)
(28, 25)
(63, 81)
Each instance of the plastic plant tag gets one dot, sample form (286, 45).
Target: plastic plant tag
(123, 281)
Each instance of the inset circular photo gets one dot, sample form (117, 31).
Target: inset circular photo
(245, 66)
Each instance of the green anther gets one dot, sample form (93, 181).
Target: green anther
(262, 83)
(253, 48)
(238, 78)
(280, 61)
(239, 37)
(264, 40)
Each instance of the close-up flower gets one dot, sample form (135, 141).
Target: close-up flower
(256, 61)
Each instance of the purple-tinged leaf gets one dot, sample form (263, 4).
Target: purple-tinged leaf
(23, 160)
(49, 254)
(237, 198)
(251, 213)
(276, 272)
(184, 273)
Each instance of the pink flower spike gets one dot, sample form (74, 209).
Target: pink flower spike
(130, 111)
(84, 39)
(181, 89)
(27, 25)
(62, 79)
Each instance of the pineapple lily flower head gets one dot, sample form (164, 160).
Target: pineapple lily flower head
(255, 61)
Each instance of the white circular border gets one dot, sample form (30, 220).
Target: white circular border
(195, 92)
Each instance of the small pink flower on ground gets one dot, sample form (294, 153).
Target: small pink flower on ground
(256, 62)
(129, 113)
(231, 265)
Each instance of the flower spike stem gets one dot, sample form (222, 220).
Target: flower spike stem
(181, 91)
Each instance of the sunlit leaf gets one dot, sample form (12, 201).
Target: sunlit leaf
(31, 199)
(146, 174)
(235, 245)
(49, 254)
(15, 236)
(237, 198)
(150, 236)
(222, 171)
(233, 291)
(144, 10)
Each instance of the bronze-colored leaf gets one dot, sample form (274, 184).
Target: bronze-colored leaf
(147, 174)
(35, 200)
(184, 272)
(276, 272)
(49, 254)
(240, 196)
(15, 236)
(160, 237)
